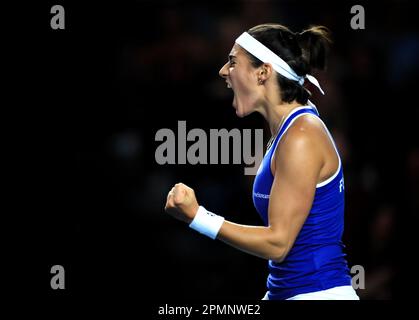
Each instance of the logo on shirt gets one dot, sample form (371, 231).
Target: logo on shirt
(341, 185)
(261, 195)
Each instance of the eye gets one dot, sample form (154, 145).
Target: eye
(232, 63)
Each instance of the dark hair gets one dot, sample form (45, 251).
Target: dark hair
(302, 51)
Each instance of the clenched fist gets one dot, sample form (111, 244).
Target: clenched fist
(181, 203)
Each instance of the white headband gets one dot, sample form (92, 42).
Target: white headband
(253, 46)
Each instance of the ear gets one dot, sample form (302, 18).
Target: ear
(265, 71)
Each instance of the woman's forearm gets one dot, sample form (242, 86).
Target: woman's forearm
(262, 242)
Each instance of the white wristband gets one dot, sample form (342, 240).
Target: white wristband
(207, 223)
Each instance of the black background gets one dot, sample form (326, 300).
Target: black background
(88, 100)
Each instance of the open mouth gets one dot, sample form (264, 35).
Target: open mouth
(234, 98)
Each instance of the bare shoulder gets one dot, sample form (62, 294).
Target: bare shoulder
(302, 143)
(306, 131)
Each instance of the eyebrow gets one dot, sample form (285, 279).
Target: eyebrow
(231, 57)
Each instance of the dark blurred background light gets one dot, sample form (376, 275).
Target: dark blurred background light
(131, 68)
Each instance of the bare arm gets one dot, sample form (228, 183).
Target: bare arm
(297, 164)
(297, 168)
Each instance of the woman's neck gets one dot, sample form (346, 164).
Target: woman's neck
(275, 114)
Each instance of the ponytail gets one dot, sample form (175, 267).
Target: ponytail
(315, 43)
(302, 51)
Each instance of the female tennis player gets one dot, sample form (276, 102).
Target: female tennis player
(299, 188)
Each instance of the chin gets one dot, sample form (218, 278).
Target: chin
(240, 112)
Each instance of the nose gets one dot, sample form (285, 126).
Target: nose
(223, 71)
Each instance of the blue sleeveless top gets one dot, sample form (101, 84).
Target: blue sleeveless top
(316, 261)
